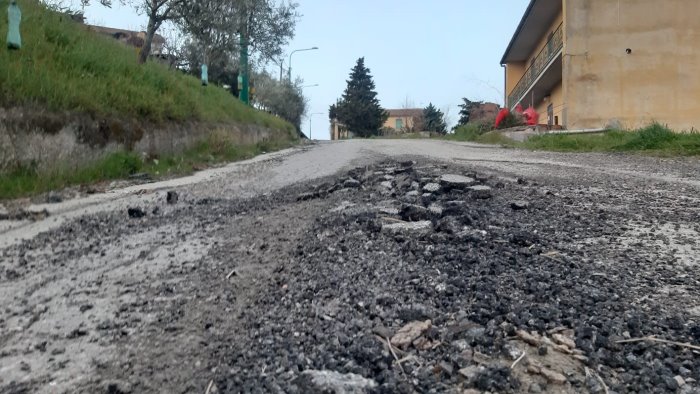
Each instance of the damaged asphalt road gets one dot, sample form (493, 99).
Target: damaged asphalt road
(389, 271)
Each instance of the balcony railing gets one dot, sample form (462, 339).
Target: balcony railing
(546, 55)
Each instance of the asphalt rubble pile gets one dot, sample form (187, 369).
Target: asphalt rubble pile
(424, 278)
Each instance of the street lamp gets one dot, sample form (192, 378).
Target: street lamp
(311, 117)
(290, 59)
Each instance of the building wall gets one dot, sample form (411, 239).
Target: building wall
(556, 98)
(391, 121)
(658, 81)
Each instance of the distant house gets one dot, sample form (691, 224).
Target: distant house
(399, 121)
(339, 131)
(135, 39)
(404, 120)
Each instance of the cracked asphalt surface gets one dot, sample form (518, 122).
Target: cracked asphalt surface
(268, 271)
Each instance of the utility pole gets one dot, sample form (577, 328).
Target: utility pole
(290, 59)
(243, 78)
(243, 75)
(311, 117)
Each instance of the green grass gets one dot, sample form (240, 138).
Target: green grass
(119, 165)
(471, 132)
(64, 67)
(654, 139)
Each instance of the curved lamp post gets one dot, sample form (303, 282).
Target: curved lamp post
(311, 117)
(290, 59)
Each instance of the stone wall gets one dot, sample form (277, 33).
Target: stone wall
(40, 139)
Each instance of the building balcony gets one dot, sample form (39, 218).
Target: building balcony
(542, 71)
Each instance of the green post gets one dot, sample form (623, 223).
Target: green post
(244, 78)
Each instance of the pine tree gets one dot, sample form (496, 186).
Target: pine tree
(466, 109)
(434, 119)
(359, 108)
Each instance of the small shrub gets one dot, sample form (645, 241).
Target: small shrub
(654, 136)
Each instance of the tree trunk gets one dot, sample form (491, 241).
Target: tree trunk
(150, 32)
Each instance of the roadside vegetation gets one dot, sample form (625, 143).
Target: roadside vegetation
(654, 139)
(64, 67)
(216, 150)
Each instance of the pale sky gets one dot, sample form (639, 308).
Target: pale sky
(427, 51)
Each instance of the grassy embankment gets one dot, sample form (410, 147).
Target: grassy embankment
(653, 140)
(63, 67)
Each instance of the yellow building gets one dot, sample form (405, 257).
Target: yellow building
(589, 64)
(404, 120)
(399, 121)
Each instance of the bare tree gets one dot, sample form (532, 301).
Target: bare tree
(158, 12)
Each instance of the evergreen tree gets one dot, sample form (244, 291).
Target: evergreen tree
(359, 108)
(434, 119)
(466, 110)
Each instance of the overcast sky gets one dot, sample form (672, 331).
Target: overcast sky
(425, 51)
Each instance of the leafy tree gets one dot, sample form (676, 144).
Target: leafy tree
(283, 99)
(466, 109)
(359, 108)
(434, 119)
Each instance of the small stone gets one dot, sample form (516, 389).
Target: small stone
(41, 346)
(382, 331)
(386, 185)
(85, 307)
(413, 213)
(679, 380)
(435, 209)
(519, 205)
(314, 381)
(535, 388)
(413, 193)
(446, 367)
(351, 183)
(136, 213)
(552, 376)
(542, 350)
(58, 351)
(564, 340)
(471, 372)
(671, 383)
(118, 387)
(528, 338)
(4, 213)
(409, 333)
(431, 187)
(481, 192)
(461, 345)
(54, 197)
(408, 226)
(456, 181)
(172, 197)
(24, 366)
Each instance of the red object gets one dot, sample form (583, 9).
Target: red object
(519, 109)
(501, 116)
(531, 116)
